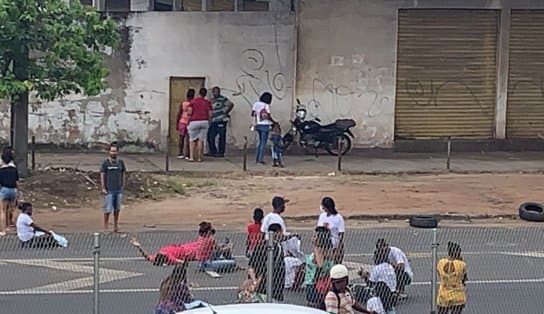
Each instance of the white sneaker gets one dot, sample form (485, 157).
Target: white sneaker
(181, 157)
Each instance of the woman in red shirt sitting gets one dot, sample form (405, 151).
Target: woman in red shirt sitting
(200, 250)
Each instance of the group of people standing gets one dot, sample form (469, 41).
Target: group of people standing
(203, 121)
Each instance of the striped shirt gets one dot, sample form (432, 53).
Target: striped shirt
(220, 107)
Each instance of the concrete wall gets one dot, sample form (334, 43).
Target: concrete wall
(347, 60)
(244, 53)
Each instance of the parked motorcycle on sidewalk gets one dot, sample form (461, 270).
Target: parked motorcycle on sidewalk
(335, 138)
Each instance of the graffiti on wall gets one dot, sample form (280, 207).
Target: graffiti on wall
(256, 77)
(428, 92)
(366, 87)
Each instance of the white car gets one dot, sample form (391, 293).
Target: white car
(253, 308)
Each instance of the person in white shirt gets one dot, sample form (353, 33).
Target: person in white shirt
(29, 233)
(278, 205)
(332, 220)
(399, 260)
(263, 120)
(382, 272)
(382, 300)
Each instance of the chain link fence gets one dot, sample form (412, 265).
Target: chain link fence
(505, 269)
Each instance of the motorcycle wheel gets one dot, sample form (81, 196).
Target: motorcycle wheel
(334, 149)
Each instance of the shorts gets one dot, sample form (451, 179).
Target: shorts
(182, 129)
(112, 202)
(198, 130)
(8, 194)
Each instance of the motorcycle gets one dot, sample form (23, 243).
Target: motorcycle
(335, 138)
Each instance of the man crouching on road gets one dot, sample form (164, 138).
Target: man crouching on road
(112, 178)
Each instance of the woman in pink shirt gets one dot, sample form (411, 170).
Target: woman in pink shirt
(183, 121)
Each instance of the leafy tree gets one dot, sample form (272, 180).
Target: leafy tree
(51, 48)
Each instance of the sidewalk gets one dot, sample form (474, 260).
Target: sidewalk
(354, 163)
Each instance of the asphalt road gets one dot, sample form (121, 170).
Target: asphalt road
(506, 271)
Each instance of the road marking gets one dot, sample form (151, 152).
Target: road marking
(241, 257)
(106, 275)
(232, 288)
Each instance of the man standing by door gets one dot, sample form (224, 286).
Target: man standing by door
(222, 107)
(112, 178)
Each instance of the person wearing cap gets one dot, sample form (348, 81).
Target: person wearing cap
(400, 262)
(278, 205)
(339, 300)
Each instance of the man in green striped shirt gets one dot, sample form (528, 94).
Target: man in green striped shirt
(222, 107)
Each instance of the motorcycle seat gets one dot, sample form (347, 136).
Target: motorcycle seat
(344, 124)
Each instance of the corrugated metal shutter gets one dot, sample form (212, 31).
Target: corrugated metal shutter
(525, 110)
(222, 5)
(446, 74)
(191, 5)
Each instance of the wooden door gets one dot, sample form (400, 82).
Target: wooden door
(178, 91)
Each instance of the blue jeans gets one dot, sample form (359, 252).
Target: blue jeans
(112, 202)
(263, 131)
(218, 265)
(217, 129)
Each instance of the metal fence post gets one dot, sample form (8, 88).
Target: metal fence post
(33, 156)
(96, 274)
(448, 162)
(244, 161)
(340, 144)
(270, 267)
(167, 156)
(434, 277)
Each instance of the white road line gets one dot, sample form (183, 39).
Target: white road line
(106, 276)
(232, 288)
(139, 258)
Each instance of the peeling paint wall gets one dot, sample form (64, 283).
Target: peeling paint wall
(243, 53)
(346, 64)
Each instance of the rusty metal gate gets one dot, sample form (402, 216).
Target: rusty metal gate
(446, 74)
(525, 109)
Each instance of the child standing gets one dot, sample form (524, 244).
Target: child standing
(254, 234)
(277, 145)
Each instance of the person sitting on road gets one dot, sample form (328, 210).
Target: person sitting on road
(254, 289)
(210, 255)
(453, 277)
(400, 262)
(339, 299)
(29, 233)
(318, 265)
(178, 253)
(383, 271)
(254, 235)
(174, 294)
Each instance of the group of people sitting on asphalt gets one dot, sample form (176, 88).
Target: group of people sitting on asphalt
(321, 272)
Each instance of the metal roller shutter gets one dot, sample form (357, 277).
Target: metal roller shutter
(525, 110)
(446, 74)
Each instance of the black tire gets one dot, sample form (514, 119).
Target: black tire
(333, 148)
(532, 212)
(426, 222)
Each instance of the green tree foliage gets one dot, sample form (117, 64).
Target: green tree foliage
(51, 48)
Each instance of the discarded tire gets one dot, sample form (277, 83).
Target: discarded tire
(428, 222)
(532, 212)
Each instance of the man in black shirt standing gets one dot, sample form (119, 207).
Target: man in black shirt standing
(112, 178)
(258, 271)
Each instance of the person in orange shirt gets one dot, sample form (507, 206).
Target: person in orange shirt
(181, 127)
(453, 276)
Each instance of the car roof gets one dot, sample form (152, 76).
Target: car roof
(261, 308)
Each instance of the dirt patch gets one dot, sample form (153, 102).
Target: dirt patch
(180, 202)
